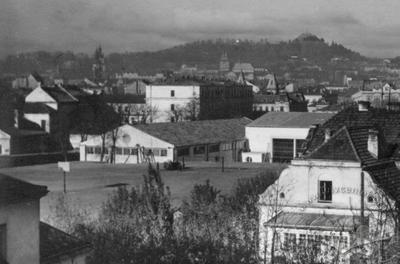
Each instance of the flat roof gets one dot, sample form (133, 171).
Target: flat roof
(290, 119)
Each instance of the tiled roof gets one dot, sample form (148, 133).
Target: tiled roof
(198, 132)
(351, 144)
(290, 119)
(387, 121)
(14, 190)
(56, 244)
(339, 147)
(387, 177)
(60, 94)
(34, 108)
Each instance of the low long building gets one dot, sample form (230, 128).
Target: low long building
(159, 142)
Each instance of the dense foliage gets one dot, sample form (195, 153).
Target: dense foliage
(140, 225)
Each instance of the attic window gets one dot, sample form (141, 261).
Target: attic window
(370, 198)
(282, 195)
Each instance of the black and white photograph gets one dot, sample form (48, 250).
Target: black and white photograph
(199, 132)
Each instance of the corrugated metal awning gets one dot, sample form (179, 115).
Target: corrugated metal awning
(310, 221)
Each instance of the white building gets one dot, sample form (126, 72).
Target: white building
(378, 96)
(165, 98)
(159, 142)
(335, 199)
(279, 136)
(23, 238)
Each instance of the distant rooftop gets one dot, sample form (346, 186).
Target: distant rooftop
(290, 119)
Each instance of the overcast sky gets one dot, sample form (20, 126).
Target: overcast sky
(368, 26)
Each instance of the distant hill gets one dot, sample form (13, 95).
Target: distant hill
(204, 54)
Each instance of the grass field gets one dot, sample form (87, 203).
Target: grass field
(88, 184)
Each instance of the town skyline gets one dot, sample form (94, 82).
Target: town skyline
(364, 26)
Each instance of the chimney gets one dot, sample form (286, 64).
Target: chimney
(373, 142)
(16, 118)
(328, 134)
(363, 106)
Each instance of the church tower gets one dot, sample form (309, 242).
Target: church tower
(224, 66)
(99, 66)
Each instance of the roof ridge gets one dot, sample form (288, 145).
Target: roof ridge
(352, 144)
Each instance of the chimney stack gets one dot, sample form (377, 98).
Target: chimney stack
(373, 146)
(363, 106)
(328, 134)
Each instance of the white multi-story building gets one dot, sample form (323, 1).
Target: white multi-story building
(163, 99)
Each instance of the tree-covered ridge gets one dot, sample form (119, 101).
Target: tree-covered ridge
(203, 53)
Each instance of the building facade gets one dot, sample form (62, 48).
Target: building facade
(160, 142)
(280, 136)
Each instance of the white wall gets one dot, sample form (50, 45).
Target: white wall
(38, 95)
(37, 119)
(160, 97)
(300, 182)
(22, 220)
(5, 143)
(128, 137)
(260, 138)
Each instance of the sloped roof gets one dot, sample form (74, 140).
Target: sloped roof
(13, 190)
(60, 94)
(197, 132)
(351, 144)
(290, 119)
(243, 67)
(339, 147)
(387, 121)
(34, 108)
(56, 244)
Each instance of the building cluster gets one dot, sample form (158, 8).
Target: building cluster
(340, 140)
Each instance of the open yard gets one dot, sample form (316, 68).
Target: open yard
(89, 184)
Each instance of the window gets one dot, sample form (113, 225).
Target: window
(43, 124)
(249, 159)
(172, 107)
(90, 150)
(97, 150)
(213, 148)
(3, 242)
(163, 152)
(172, 93)
(126, 151)
(282, 109)
(118, 151)
(1, 150)
(282, 150)
(272, 109)
(325, 191)
(290, 240)
(156, 152)
(199, 150)
(282, 195)
(302, 240)
(370, 198)
(183, 152)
